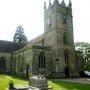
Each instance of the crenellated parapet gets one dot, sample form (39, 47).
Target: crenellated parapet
(63, 3)
(56, 6)
(56, 3)
(70, 5)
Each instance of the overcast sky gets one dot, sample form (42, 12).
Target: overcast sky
(29, 14)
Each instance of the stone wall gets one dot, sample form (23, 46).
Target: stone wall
(23, 60)
(8, 58)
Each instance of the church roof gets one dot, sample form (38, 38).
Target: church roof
(34, 41)
(8, 46)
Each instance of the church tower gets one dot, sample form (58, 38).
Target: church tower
(58, 35)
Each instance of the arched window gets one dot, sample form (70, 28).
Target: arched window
(64, 19)
(65, 38)
(66, 56)
(2, 62)
(14, 62)
(20, 63)
(49, 22)
(42, 60)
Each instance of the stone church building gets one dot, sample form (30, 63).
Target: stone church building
(51, 54)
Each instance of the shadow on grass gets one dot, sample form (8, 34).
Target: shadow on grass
(13, 76)
(62, 85)
(17, 77)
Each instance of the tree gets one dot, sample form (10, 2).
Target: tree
(19, 35)
(84, 48)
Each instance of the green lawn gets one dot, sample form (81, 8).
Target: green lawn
(57, 85)
(4, 80)
(62, 85)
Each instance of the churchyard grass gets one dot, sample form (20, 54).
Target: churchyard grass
(5, 79)
(56, 84)
(62, 85)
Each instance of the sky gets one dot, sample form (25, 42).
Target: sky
(29, 14)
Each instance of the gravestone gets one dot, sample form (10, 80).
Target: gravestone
(39, 81)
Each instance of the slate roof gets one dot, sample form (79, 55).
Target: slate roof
(8, 46)
(34, 41)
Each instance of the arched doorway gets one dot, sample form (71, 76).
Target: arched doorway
(27, 71)
(67, 62)
(67, 72)
(2, 63)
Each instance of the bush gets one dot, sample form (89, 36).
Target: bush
(11, 84)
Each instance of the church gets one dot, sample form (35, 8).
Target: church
(51, 54)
